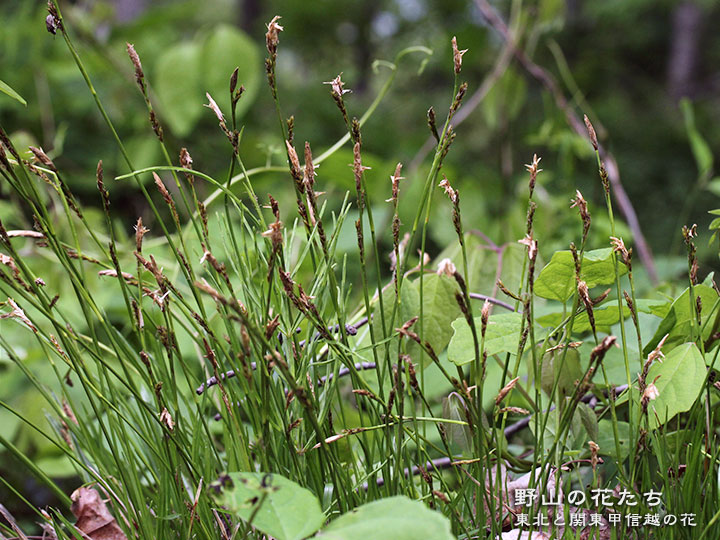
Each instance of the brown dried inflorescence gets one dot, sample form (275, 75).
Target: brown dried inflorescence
(457, 55)
(591, 132)
(580, 203)
(271, 41)
(625, 253)
(533, 168)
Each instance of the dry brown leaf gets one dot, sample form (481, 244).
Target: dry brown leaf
(93, 517)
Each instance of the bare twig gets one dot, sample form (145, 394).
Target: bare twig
(492, 300)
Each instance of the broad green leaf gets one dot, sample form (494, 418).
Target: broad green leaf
(408, 304)
(502, 335)
(659, 308)
(680, 379)
(177, 84)
(679, 321)
(224, 49)
(606, 439)
(575, 438)
(394, 518)
(5, 89)
(186, 71)
(480, 258)
(605, 317)
(440, 309)
(563, 366)
(509, 262)
(459, 436)
(287, 511)
(557, 280)
(484, 262)
(589, 421)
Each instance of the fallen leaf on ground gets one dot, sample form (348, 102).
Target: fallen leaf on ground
(93, 517)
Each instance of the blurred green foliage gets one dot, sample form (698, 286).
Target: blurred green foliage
(611, 59)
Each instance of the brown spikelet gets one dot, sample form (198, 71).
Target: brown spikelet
(355, 132)
(291, 130)
(294, 161)
(591, 132)
(337, 90)
(140, 231)
(135, 59)
(186, 163)
(8, 261)
(506, 291)
(165, 195)
(457, 56)
(584, 295)
(202, 210)
(688, 234)
(234, 80)
(309, 177)
(214, 108)
(581, 204)
(598, 353)
(53, 23)
(137, 312)
(43, 158)
(395, 182)
(432, 123)
(631, 306)
(274, 233)
(358, 170)
(272, 36)
(411, 372)
(18, 313)
(458, 99)
(513, 410)
(271, 41)
(594, 459)
(484, 317)
(101, 187)
(506, 390)
(533, 168)
(449, 190)
(446, 143)
(625, 253)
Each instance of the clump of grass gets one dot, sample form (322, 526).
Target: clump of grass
(249, 350)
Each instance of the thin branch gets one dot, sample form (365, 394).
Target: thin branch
(492, 300)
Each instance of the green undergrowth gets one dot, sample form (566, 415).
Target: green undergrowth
(241, 368)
